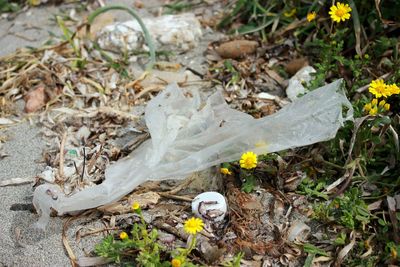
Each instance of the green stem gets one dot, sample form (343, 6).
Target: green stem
(147, 37)
(191, 246)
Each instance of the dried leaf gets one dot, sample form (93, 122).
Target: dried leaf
(393, 218)
(344, 251)
(295, 65)
(375, 205)
(237, 48)
(35, 99)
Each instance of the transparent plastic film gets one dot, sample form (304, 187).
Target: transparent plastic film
(189, 135)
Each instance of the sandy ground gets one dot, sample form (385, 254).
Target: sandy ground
(20, 244)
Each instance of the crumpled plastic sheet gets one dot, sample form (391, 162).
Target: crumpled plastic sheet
(189, 135)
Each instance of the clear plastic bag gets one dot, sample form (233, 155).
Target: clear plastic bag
(188, 135)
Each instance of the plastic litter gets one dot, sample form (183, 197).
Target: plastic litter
(297, 82)
(210, 206)
(189, 135)
(177, 32)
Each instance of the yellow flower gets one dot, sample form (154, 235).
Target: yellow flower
(135, 206)
(393, 253)
(340, 12)
(311, 16)
(123, 235)
(176, 263)
(193, 225)
(373, 111)
(290, 13)
(393, 89)
(386, 106)
(382, 103)
(378, 88)
(374, 102)
(367, 107)
(248, 160)
(225, 171)
(34, 2)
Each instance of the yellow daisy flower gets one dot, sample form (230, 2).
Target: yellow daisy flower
(340, 12)
(135, 206)
(176, 263)
(393, 89)
(378, 88)
(193, 226)
(373, 111)
(225, 171)
(248, 160)
(311, 16)
(123, 235)
(367, 107)
(386, 106)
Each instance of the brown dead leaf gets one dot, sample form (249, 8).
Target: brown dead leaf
(296, 64)
(237, 48)
(36, 99)
(138, 4)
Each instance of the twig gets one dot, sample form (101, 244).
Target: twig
(147, 90)
(166, 195)
(84, 164)
(348, 175)
(172, 230)
(17, 181)
(365, 87)
(62, 146)
(99, 231)
(183, 185)
(67, 247)
(141, 78)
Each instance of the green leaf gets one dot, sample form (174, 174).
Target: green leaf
(309, 260)
(314, 250)
(382, 222)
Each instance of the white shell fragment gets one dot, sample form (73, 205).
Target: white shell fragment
(210, 206)
(176, 32)
(267, 96)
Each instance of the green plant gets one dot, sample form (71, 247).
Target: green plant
(311, 188)
(235, 262)
(141, 247)
(8, 6)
